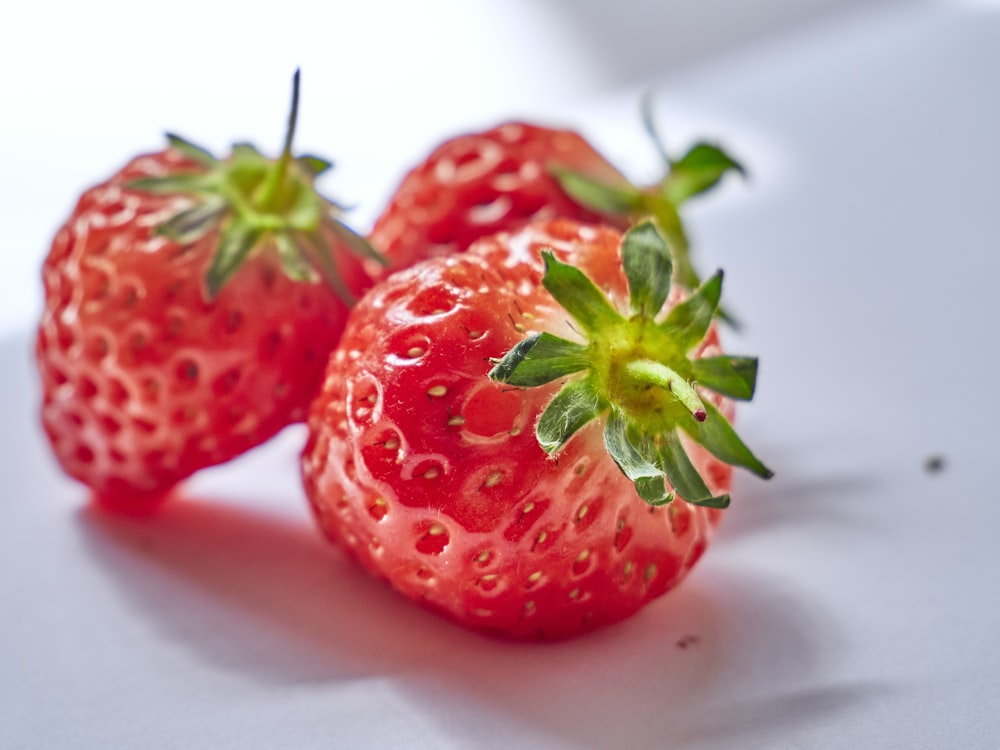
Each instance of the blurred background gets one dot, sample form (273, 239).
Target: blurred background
(83, 86)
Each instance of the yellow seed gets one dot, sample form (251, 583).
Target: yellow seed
(457, 421)
(541, 537)
(436, 530)
(391, 444)
(437, 391)
(432, 473)
(493, 479)
(650, 573)
(574, 594)
(483, 556)
(519, 327)
(582, 512)
(415, 351)
(528, 507)
(535, 577)
(529, 607)
(628, 567)
(583, 555)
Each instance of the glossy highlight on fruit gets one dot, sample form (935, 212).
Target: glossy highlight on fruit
(186, 316)
(432, 474)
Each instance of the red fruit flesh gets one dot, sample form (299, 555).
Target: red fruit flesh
(144, 381)
(430, 474)
(476, 185)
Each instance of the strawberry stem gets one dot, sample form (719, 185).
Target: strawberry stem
(256, 203)
(268, 197)
(659, 374)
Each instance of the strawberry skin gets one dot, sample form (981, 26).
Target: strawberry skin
(477, 184)
(431, 475)
(144, 380)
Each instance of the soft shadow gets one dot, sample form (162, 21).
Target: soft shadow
(822, 482)
(266, 597)
(254, 592)
(769, 720)
(828, 501)
(656, 680)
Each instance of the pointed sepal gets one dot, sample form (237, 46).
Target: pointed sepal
(581, 298)
(574, 406)
(356, 243)
(294, 261)
(683, 476)
(613, 200)
(192, 151)
(539, 359)
(721, 440)
(194, 223)
(698, 171)
(235, 246)
(635, 458)
(688, 322)
(648, 268)
(735, 377)
(314, 165)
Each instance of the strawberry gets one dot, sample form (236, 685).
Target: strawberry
(183, 321)
(477, 184)
(524, 451)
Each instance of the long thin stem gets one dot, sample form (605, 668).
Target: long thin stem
(276, 177)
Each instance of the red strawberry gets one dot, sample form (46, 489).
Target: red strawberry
(183, 321)
(478, 184)
(499, 504)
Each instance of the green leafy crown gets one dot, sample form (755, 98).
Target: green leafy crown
(254, 201)
(695, 172)
(637, 370)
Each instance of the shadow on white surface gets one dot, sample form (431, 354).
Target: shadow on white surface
(266, 598)
(828, 504)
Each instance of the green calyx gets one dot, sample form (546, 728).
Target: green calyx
(637, 370)
(255, 202)
(694, 173)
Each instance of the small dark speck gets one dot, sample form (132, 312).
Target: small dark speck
(934, 464)
(687, 641)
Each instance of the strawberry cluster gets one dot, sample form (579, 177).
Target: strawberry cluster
(519, 411)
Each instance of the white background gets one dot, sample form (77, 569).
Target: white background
(848, 602)
(86, 85)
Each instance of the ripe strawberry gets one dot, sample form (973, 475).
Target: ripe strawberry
(478, 184)
(497, 503)
(183, 321)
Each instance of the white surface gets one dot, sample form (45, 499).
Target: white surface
(849, 602)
